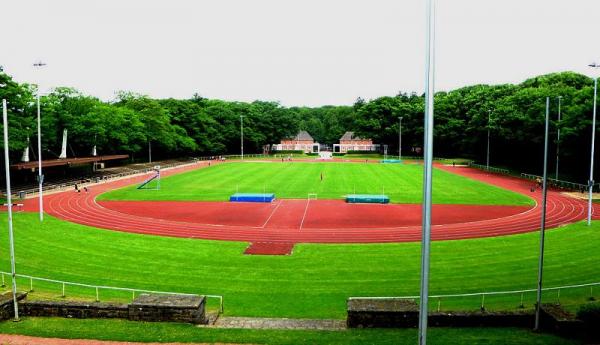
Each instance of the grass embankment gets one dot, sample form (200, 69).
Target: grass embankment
(402, 183)
(121, 330)
(314, 282)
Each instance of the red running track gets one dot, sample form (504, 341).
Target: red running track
(322, 221)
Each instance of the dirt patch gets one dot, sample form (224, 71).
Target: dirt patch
(269, 248)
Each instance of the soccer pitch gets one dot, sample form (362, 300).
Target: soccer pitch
(402, 183)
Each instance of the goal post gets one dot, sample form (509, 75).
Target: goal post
(312, 196)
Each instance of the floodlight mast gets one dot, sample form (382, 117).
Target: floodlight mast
(487, 161)
(9, 204)
(543, 222)
(558, 139)
(427, 170)
(242, 135)
(400, 138)
(38, 65)
(591, 181)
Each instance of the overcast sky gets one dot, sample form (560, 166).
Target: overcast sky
(308, 52)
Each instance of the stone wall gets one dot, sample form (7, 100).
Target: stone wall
(147, 307)
(395, 313)
(7, 310)
(79, 310)
(482, 319)
(174, 308)
(382, 313)
(553, 318)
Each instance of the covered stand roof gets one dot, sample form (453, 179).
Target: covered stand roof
(67, 161)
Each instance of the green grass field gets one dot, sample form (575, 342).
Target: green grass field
(121, 330)
(402, 183)
(314, 282)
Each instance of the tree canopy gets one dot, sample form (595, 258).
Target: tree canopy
(200, 126)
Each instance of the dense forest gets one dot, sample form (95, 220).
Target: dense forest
(199, 126)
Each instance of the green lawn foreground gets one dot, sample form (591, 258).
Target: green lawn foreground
(314, 282)
(121, 330)
(401, 182)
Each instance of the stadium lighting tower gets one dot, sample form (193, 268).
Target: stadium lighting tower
(9, 204)
(593, 65)
(242, 135)
(400, 138)
(543, 224)
(427, 169)
(487, 161)
(39, 65)
(558, 138)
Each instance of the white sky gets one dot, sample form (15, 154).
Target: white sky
(301, 52)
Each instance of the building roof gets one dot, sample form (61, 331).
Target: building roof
(350, 136)
(67, 161)
(303, 135)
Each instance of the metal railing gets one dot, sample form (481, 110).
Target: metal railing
(492, 169)
(493, 293)
(562, 184)
(97, 288)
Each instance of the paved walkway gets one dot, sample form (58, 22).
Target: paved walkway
(272, 323)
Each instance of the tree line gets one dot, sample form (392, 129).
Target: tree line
(199, 126)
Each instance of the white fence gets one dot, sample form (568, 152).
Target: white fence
(562, 184)
(494, 293)
(490, 168)
(98, 288)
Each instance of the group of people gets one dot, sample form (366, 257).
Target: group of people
(85, 188)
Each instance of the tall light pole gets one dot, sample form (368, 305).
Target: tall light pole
(543, 224)
(487, 164)
(9, 203)
(427, 169)
(558, 139)
(591, 181)
(40, 64)
(400, 139)
(242, 135)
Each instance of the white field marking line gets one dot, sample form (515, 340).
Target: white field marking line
(272, 213)
(305, 211)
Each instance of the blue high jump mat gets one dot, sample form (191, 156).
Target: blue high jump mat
(252, 197)
(367, 199)
(396, 161)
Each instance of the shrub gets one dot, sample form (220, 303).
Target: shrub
(358, 152)
(288, 152)
(338, 154)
